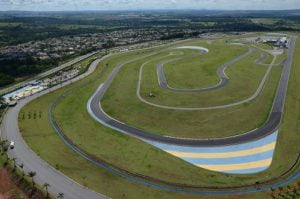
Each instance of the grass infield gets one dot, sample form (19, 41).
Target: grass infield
(133, 154)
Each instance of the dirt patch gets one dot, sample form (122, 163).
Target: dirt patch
(8, 189)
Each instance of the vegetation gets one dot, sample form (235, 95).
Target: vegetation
(5, 79)
(13, 183)
(21, 27)
(289, 191)
(281, 57)
(121, 101)
(13, 68)
(200, 70)
(135, 155)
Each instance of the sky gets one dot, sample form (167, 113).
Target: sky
(61, 5)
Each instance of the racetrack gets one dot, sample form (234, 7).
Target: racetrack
(196, 192)
(201, 192)
(269, 127)
(163, 83)
(224, 81)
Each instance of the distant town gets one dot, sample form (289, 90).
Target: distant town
(70, 45)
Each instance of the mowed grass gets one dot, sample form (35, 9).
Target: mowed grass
(43, 140)
(245, 77)
(269, 59)
(200, 71)
(121, 103)
(264, 46)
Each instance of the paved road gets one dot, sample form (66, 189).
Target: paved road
(49, 72)
(162, 80)
(252, 97)
(59, 183)
(183, 189)
(272, 123)
(264, 56)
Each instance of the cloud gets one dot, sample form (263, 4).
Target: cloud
(146, 4)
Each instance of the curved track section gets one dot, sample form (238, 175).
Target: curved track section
(60, 183)
(262, 147)
(268, 128)
(185, 188)
(209, 153)
(252, 97)
(224, 79)
(242, 159)
(251, 157)
(264, 185)
(262, 59)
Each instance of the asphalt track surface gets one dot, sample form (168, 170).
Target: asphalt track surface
(252, 97)
(264, 185)
(59, 183)
(264, 56)
(262, 59)
(271, 125)
(224, 79)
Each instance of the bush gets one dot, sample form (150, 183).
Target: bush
(5, 79)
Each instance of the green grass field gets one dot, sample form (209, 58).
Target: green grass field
(121, 102)
(269, 59)
(200, 71)
(264, 46)
(244, 79)
(135, 155)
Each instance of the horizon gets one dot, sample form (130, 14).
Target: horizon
(138, 10)
(140, 5)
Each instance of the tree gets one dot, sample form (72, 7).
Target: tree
(46, 186)
(280, 189)
(60, 195)
(4, 151)
(31, 174)
(2, 102)
(273, 196)
(14, 161)
(108, 44)
(22, 167)
(6, 79)
(2, 144)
